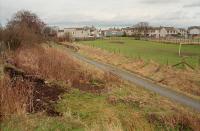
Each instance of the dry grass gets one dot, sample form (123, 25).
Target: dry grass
(51, 65)
(186, 81)
(57, 65)
(105, 127)
(178, 121)
(16, 97)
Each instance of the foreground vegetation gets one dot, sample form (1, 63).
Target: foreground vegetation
(75, 96)
(146, 50)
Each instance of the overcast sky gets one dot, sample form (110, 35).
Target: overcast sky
(181, 13)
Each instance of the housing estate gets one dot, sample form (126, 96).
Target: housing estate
(156, 32)
(152, 32)
(112, 32)
(79, 33)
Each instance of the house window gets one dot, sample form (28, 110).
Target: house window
(60, 30)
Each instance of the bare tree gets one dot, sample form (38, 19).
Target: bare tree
(1, 33)
(142, 29)
(68, 37)
(49, 33)
(23, 28)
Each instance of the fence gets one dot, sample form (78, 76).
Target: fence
(184, 60)
(175, 41)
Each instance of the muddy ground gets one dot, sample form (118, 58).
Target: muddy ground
(44, 96)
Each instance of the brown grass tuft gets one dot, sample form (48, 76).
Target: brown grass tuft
(57, 65)
(16, 97)
(179, 121)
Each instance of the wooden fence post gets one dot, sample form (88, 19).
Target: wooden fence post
(199, 61)
(180, 49)
(167, 62)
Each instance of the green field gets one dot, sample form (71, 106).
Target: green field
(159, 52)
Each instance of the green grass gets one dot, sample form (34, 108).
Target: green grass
(159, 52)
(94, 109)
(129, 115)
(83, 105)
(41, 122)
(84, 111)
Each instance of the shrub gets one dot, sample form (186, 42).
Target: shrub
(24, 27)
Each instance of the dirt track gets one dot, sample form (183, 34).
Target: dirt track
(142, 82)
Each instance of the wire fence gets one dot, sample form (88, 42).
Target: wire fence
(183, 60)
(175, 40)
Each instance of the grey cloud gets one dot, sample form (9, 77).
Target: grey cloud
(192, 5)
(159, 1)
(172, 16)
(64, 12)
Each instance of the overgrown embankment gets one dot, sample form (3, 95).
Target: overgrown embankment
(46, 89)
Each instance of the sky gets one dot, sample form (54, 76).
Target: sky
(179, 13)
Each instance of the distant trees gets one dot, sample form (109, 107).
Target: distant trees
(1, 33)
(49, 33)
(142, 29)
(24, 27)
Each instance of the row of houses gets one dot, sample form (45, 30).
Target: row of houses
(80, 33)
(153, 32)
(162, 32)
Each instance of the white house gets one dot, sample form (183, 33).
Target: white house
(194, 31)
(168, 32)
(182, 32)
(128, 31)
(60, 33)
(95, 32)
(132, 31)
(79, 33)
(163, 32)
(113, 33)
(154, 32)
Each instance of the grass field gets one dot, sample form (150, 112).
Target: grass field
(159, 52)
